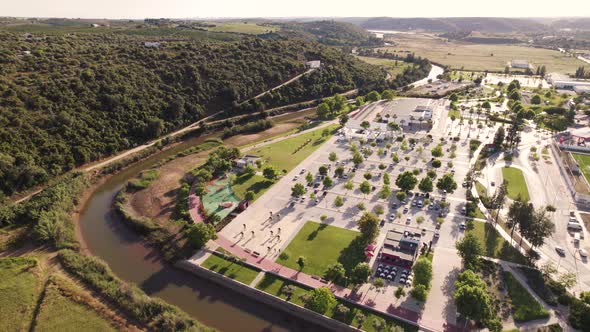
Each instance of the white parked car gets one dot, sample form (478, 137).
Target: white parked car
(583, 253)
(560, 250)
(408, 220)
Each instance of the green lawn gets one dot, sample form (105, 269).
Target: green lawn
(241, 27)
(323, 245)
(524, 305)
(256, 183)
(272, 285)
(493, 244)
(283, 154)
(584, 162)
(237, 271)
(457, 115)
(19, 291)
(516, 183)
(481, 189)
(59, 313)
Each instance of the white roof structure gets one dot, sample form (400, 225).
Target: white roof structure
(314, 64)
(519, 64)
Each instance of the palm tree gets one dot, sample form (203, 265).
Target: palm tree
(394, 116)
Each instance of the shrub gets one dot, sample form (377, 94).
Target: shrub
(419, 292)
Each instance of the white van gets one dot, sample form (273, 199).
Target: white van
(576, 238)
(574, 226)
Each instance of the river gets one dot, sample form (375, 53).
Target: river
(125, 253)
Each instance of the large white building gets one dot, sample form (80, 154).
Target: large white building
(522, 64)
(560, 81)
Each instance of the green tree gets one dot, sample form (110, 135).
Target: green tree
(419, 292)
(386, 180)
(470, 249)
(385, 192)
(338, 201)
(406, 181)
(335, 273)
(323, 170)
(399, 292)
(339, 171)
(426, 185)
(323, 111)
(388, 95)
(422, 272)
(437, 151)
(401, 195)
(357, 158)
(473, 301)
(270, 173)
(368, 225)
(298, 190)
(321, 300)
(328, 182)
(288, 291)
(395, 157)
(536, 100)
(249, 196)
(360, 273)
(373, 96)
(343, 120)
(436, 163)
(333, 157)
(341, 312)
(365, 125)
(349, 185)
(447, 182)
(199, 234)
(499, 137)
(301, 262)
(365, 187)
(309, 178)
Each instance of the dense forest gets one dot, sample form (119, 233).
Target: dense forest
(333, 33)
(67, 99)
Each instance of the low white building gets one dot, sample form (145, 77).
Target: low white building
(424, 111)
(314, 64)
(522, 64)
(560, 81)
(150, 44)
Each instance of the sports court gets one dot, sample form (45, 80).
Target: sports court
(219, 198)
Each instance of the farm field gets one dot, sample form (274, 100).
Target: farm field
(393, 67)
(478, 57)
(241, 27)
(321, 245)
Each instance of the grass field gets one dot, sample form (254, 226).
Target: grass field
(493, 244)
(524, 306)
(480, 57)
(457, 115)
(59, 313)
(322, 245)
(233, 270)
(19, 289)
(584, 162)
(256, 183)
(393, 67)
(516, 183)
(282, 154)
(272, 284)
(242, 27)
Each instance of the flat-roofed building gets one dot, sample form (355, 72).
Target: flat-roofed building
(560, 81)
(522, 64)
(400, 248)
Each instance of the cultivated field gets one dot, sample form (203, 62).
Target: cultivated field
(241, 27)
(480, 57)
(393, 67)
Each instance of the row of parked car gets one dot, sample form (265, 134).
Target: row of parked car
(390, 272)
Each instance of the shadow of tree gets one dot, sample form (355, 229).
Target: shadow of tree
(316, 231)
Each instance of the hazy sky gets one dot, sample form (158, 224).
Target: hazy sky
(288, 8)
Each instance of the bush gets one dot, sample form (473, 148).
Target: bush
(419, 292)
(151, 311)
(436, 163)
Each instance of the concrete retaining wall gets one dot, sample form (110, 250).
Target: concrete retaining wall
(266, 298)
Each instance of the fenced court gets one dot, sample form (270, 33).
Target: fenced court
(219, 198)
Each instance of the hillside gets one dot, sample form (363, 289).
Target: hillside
(482, 24)
(67, 99)
(330, 32)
